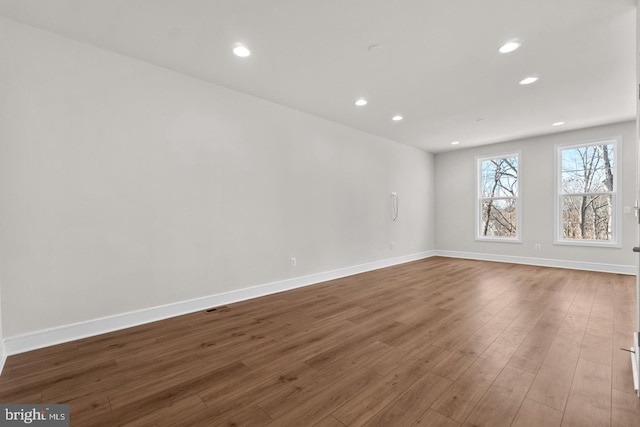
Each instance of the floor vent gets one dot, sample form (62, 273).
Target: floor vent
(216, 309)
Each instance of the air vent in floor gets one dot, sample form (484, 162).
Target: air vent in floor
(216, 309)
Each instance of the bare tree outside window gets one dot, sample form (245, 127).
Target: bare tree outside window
(587, 192)
(498, 197)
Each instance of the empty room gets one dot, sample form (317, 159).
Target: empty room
(319, 213)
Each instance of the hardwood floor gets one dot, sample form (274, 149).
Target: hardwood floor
(437, 342)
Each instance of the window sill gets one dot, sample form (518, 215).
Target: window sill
(588, 243)
(498, 240)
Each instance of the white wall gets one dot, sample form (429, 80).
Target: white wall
(126, 186)
(455, 201)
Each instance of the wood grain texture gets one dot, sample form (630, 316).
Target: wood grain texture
(534, 414)
(590, 399)
(460, 399)
(625, 409)
(437, 342)
(432, 418)
(502, 401)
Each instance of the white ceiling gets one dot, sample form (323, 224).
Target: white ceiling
(439, 67)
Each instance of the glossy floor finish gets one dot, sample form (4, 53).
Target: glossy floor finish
(437, 342)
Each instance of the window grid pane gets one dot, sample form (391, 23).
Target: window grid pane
(499, 217)
(587, 217)
(588, 169)
(499, 177)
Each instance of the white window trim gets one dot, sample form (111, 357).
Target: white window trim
(479, 198)
(616, 199)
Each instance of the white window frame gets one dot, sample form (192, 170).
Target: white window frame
(479, 199)
(616, 198)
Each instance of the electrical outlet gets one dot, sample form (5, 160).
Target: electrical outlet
(392, 245)
(293, 262)
(538, 246)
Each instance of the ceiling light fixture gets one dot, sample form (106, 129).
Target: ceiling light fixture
(557, 124)
(455, 142)
(397, 118)
(241, 51)
(529, 80)
(361, 102)
(509, 46)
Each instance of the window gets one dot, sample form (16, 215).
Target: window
(498, 206)
(587, 211)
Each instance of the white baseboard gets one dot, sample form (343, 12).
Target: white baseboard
(66, 333)
(543, 262)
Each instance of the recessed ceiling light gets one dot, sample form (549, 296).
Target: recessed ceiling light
(241, 51)
(397, 118)
(557, 124)
(529, 80)
(509, 47)
(361, 102)
(455, 142)
(375, 48)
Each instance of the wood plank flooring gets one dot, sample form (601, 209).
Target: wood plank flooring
(437, 342)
